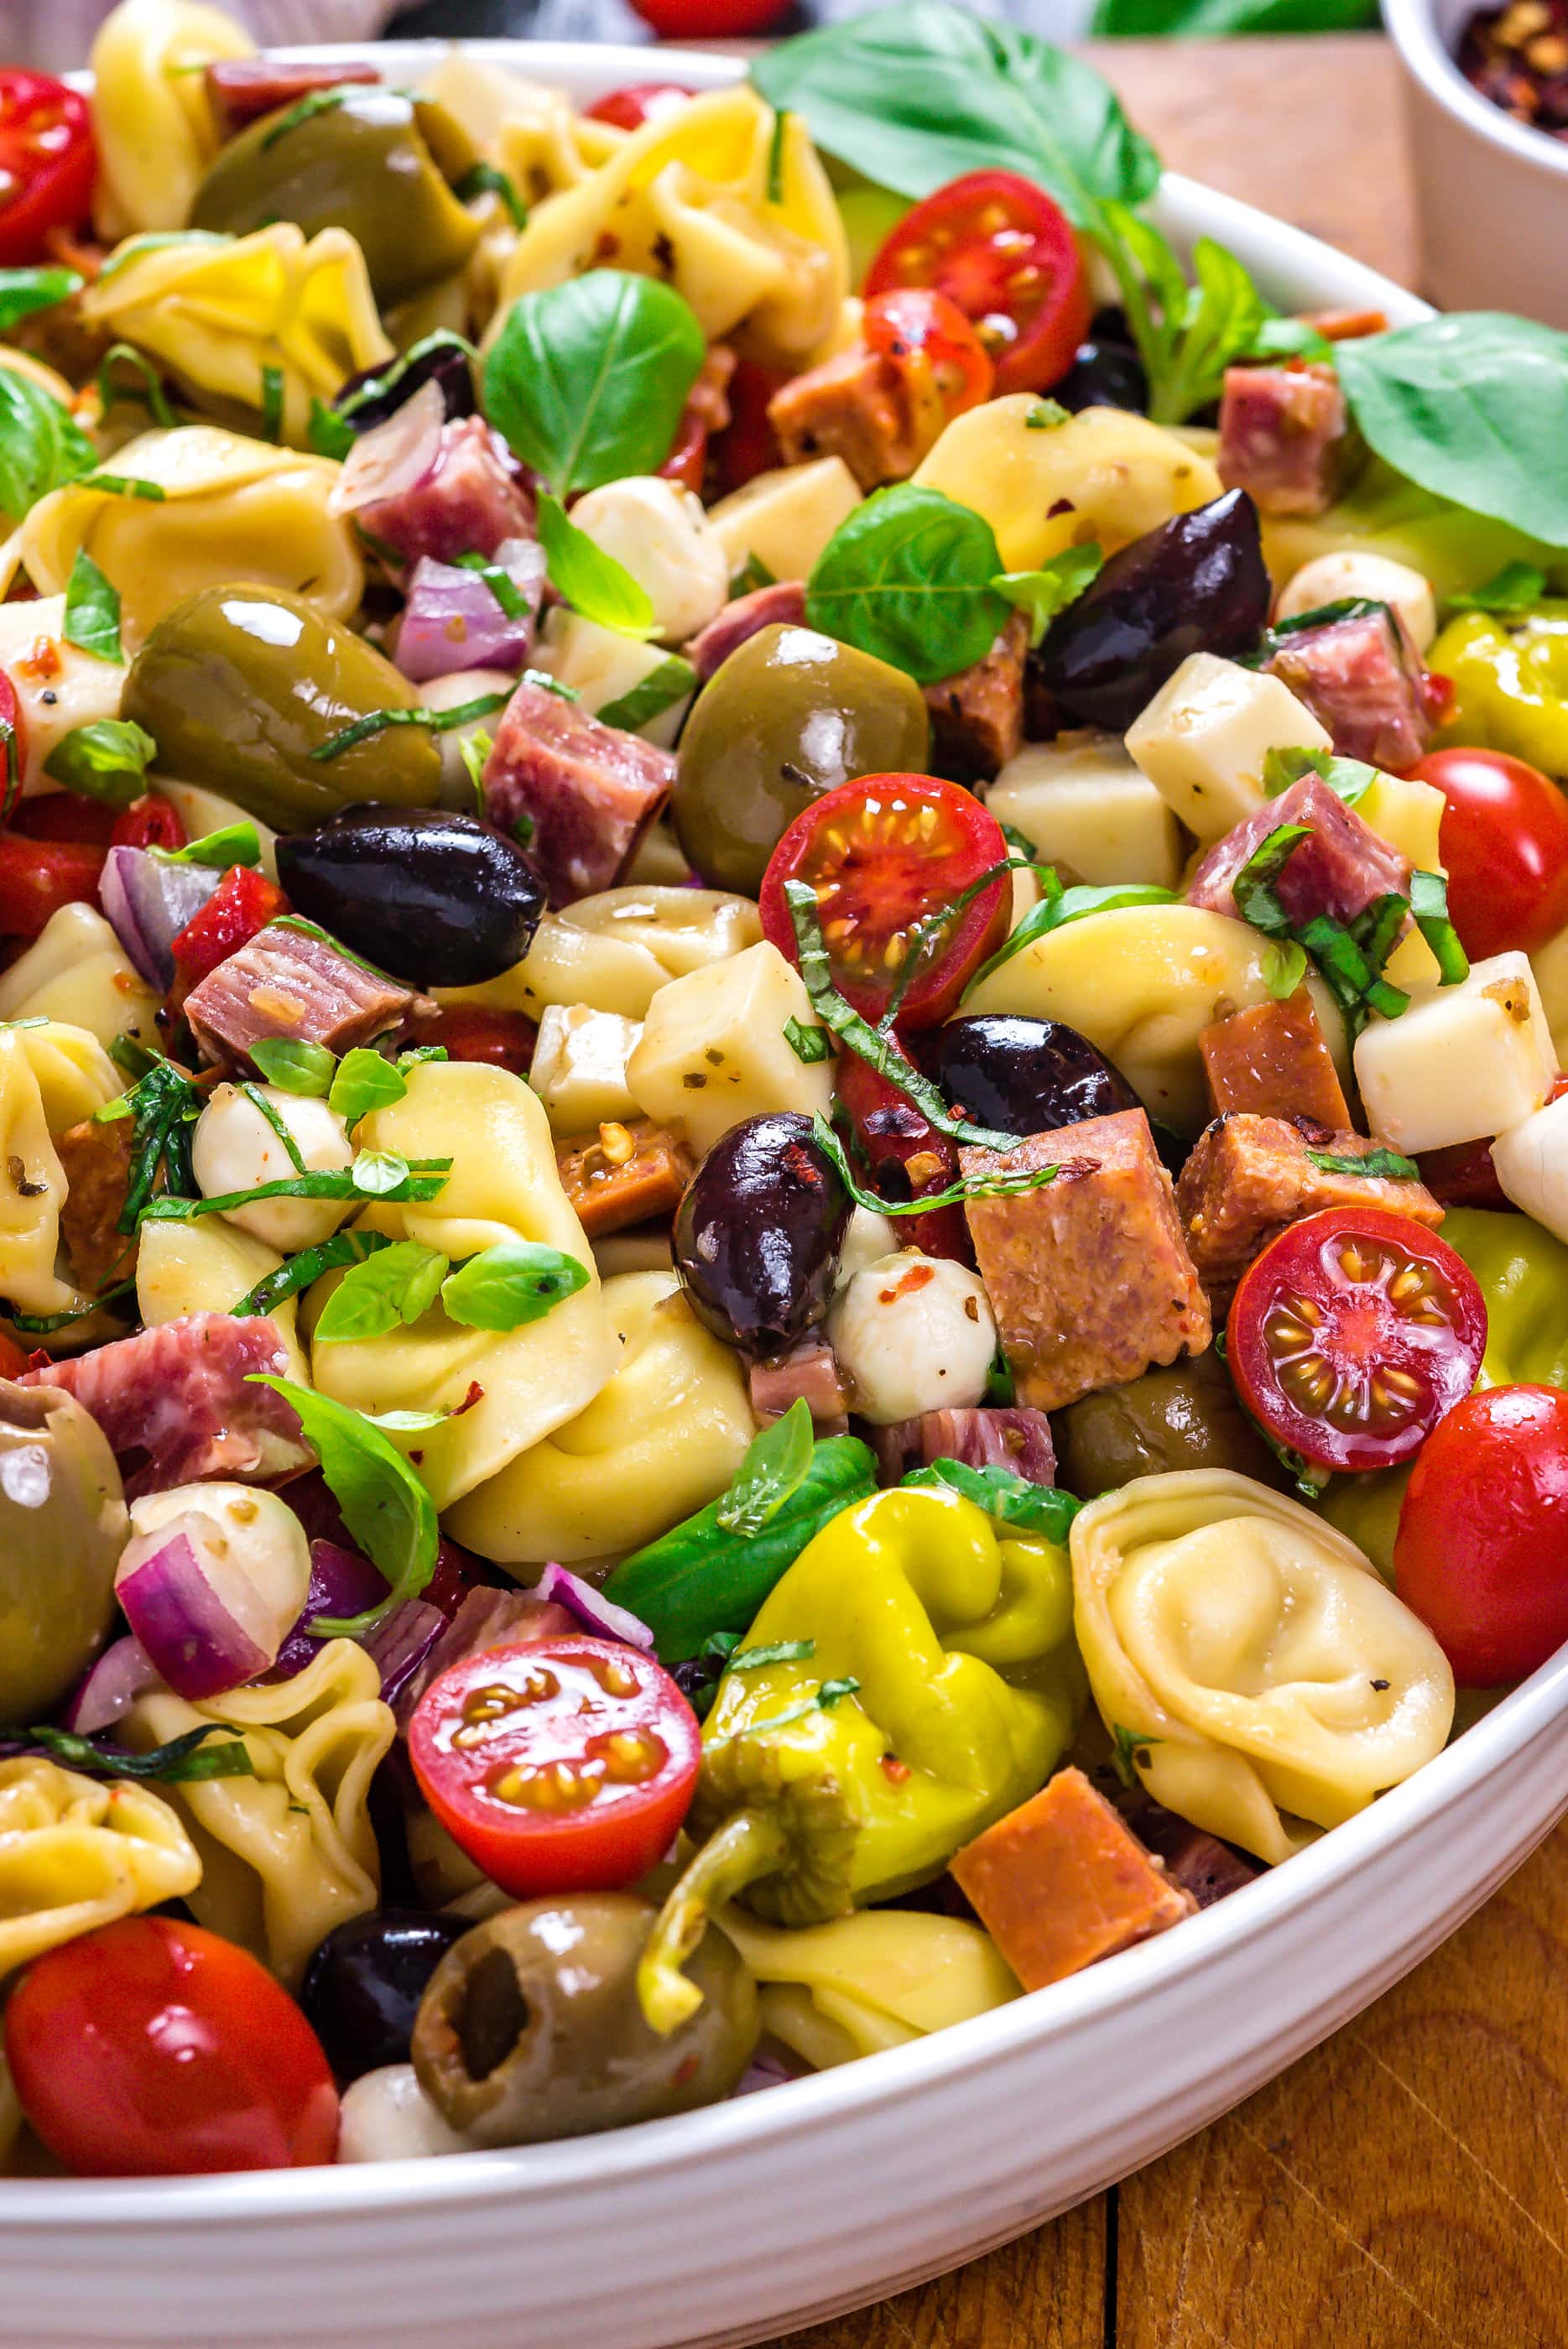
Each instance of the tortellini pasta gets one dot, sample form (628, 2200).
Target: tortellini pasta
(530, 131)
(290, 1853)
(75, 971)
(616, 950)
(51, 1078)
(876, 1980)
(58, 687)
(660, 1439)
(153, 120)
(687, 198)
(222, 318)
(1278, 1683)
(206, 1266)
(1141, 983)
(77, 1853)
(202, 812)
(230, 508)
(504, 1185)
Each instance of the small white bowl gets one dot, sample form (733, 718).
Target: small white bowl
(1491, 194)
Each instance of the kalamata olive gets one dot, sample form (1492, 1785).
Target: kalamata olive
(1198, 584)
(1104, 374)
(373, 395)
(1024, 1076)
(362, 1988)
(531, 2028)
(443, 900)
(758, 1231)
(1185, 1417)
(63, 1525)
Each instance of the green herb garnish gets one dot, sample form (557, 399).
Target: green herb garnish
(92, 611)
(774, 1467)
(440, 721)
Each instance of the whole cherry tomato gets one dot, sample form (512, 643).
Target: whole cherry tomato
(151, 821)
(997, 247)
(467, 1031)
(940, 357)
(560, 1765)
(38, 876)
(48, 162)
(1352, 1334)
(153, 2048)
(1504, 843)
(641, 102)
(1482, 1553)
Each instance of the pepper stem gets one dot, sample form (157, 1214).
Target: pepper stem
(747, 1845)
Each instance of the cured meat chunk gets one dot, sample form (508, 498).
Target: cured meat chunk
(1361, 676)
(977, 716)
(1280, 430)
(855, 406)
(1200, 1863)
(1272, 1060)
(96, 1162)
(175, 1403)
(809, 1371)
(1341, 870)
(589, 790)
(467, 499)
(285, 982)
(1015, 1439)
(781, 603)
(242, 89)
(1088, 1276)
(623, 1175)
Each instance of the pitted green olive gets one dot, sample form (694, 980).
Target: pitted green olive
(63, 1526)
(530, 2027)
(790, 715)
(371, 161)
(237, 686)
(1185, 1417)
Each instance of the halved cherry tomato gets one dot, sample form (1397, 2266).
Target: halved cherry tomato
(151, 821)
(997, 247)
(151, 2048)
(48, 162)
(13, 748)
(1481, 1552)
(944, 364)
(906, 1157)
(639, 102)
(1352, 1335)
(466, 1031)
(243, 901)
(883, 853)
(561, 1766)
(748, 445)
(1504, 843)
(38, 876)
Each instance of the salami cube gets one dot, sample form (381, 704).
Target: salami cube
(288, 983)
(977, 716)
(583, 793)
(1272, 1060)
(1340, 870)
(1361, 676)
(1281, 433)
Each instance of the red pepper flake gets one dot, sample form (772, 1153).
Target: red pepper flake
(893, 1769)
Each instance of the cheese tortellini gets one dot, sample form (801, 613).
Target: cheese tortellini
(289, 1853)
(77, 1852)
(207, 1265)
(153, 120)
(876, 1980)
(659, 1442)
(616, 950)
(51, 1078)
(529, 130)
(1278, 1683)
(77, 971)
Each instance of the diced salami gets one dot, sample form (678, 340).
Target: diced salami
(855, 406)
(287, 983)
(808, 1373)
(781, 603)
(1341, 869)
(467, 499)
(620, 1176)
(977, 716)
(1011, 1438)
(1272, 1060)
(1361, 678)
(175, 1403)
(1280, 435)
(589, 791)
(242, 89)
(96, 1162)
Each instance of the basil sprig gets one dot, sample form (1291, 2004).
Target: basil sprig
(908, 578)
(592, 582)
(41, 446)
(107, 760)
(775, 1465)
(586, 380)
(1011, 1500)
(92, 611)
(384, 1504)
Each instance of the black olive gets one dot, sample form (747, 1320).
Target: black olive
(362, 1988)
(758, 1231)
(1198, 584)
(1023, 1076)
(445, 364)
(441, 900)
(1102, 375)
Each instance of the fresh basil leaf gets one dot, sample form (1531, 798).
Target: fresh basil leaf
(1517, 587)
(1349, 778)
(515, 1282)
(294, 1067)
(1290, 338)
(233, 844)
(302, 1270)
(365, 1081)
(1384, 1165)
(383, 1504)
(586, 380)
(182, 1761)
(807, 1044)
(660, 691)
(1058, 583)
(23, 291)
(1071, 906)
(92, 611)
(592, 582)
(908, 578)
(487, 179)
(107, 760)
(374, 1173)
(1014, 1500)
(41, 446)
(388, 1290)
(329, 434)
(774, 1467)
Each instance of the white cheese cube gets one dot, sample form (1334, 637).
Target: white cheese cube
(602, 666)
(1085, 803)
(1463, 1063)
(579, 1066)
(1409, 816)
(713, 1048)
(657, 531)
(786, 517)
(1203, 740)
(1332, 578)
(1532, 1163)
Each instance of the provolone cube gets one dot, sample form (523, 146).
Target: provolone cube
(579, 1066)
(786, 517)
(714, 1050)
(602, 666)
(1085, 804)
(1531, 1163)
(1463, 1063)
(1407, 815)
(1203, 740)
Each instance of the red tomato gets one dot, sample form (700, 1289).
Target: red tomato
(505, 1039)
(559, 1765)
(944, 364)
(1504, 842)
(997, 247)
(38, 876)
(1482, 1553)
(708, 20)
(906, 1157)
(12, 747)
(65, 815)
(153, 2048)
(748, 445)
(883, 852)
(243, 901)
(641, 102)
(1351, 1334)
(151, 821)
(48, 162)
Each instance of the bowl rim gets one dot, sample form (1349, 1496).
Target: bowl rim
(1431, 63)
(565, 2166)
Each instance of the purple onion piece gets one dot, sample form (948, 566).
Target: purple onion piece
(172, 1599)
(148, 904)
(452, 620)
(393, 457)
(106, 1694)
(341, 1583)
(488, 1618)
(399, 1646)
(592, 1610)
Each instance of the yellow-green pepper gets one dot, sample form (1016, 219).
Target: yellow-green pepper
(1510, 683)
(917, 1680)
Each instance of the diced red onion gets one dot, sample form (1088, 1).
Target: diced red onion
(453, 621)
(399, 1646)
(123, 1672)
(591, 1609)
(148, 904)
(342, 1583)
(178, 1599)
(393, 457)
(765, 2070)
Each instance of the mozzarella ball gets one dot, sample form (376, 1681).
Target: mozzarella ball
(913, 1333)
(387, 2116)
(661, 534)
(868, 1237)
(1532, 1163)
(255, 1552)
(1331, 578)
(236, 1148)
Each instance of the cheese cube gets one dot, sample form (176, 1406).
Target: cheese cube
(1409, 816)
(1532, 1163)
(1204, 736)
(1463, 1063)
(602, 666)
(786, 517)
(1083, 803)
(713, 1048)
(579, 1066)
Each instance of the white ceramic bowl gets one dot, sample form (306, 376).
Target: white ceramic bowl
(1491, 194)
(752, 2217)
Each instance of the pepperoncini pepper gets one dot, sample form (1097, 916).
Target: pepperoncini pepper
(915, 1679)
(1510, 675)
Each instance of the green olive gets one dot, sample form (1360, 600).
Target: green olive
(63, 1526)
(368, 161)
(788, 716)
(1185, 1417)
(531, 2029)
(237, 686)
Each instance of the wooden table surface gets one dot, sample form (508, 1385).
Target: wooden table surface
(1406, 2187)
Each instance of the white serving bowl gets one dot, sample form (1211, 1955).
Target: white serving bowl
(759, 2214)
(1491, 193)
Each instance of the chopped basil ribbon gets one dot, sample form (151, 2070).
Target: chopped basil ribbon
(807, 1044)
(516, 1282)
(162, 1105)
(474, 750)
(925, 935)
(274, 1118)
(488, 180)
(587, 578)
(660, 691)
(107, 760)
(971, 1186)
(774, 1467)
(1429, 912)
(440, 721)
(316, 101)
(157, 240)
(23, 291)
(233, 844)
(376, 388)
(385, 1506)
(822, 1699)
(151, 393)
(375, 1174)
(752, 574)
(122, 485)
(272, 404)
(182, 1761)
(342, 1248)
(751, 1660)
(501, 584)
(294, 1067)
(830, 1692)
(44, 1325)
(1517, 587)
(391, 1288)
(1349, 960)
(775, 157)
(1322, 615)
(1384, 1165)
(329, 434)
(365, 1081)
(92, 611)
